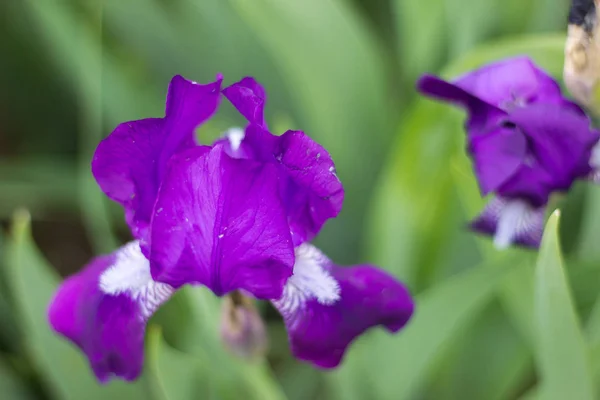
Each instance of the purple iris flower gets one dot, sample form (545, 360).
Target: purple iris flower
(525, 139)
(235, 217)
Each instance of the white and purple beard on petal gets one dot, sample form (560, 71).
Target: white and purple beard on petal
(325, 307)
(130, 163)
(308, 184)
(511, 222)
(104, 309)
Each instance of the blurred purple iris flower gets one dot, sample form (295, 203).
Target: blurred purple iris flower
(525, 139)
(235, 217)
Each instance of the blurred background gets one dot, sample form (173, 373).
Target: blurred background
(488, 325)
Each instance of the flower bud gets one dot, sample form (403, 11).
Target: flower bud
(242, 328)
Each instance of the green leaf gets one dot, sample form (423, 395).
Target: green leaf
(227, 46)
(562, 357)
(421, 35)
(12, 386)
(548, 15)
(40, 184)
(477, 21)
(532, 394)
(10, 339)
(587, 248)
(414, 227)
(547, 50)
(347, 382)
(506, 361)
(191, 323)
(174, 374)
(517, 296)
(62, 366)
(399, 365)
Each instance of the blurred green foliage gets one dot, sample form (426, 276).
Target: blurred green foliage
(488, 325)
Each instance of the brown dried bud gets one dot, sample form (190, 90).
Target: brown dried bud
(582, 61)
(242, 329)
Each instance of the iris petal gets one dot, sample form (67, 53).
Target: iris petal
(511, 222)
(104, 309)
(325, 307)
(309, 185)
(482, 115)
(220, 222)
(130, 163)
(561, 140)
(512, 80)
(497, 156)
(249, 98)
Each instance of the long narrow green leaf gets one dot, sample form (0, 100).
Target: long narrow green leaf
(175, 375)
(593, 336)
(12, 386)
(403, 363)
(545, 49)
(191, 322)
(477, 21)
(562, 356)
(79, 50)
(64, 369)
(413, 224)
(40, 185)
(587, 248)
(506, 361)
(421, 31)
(93, 204)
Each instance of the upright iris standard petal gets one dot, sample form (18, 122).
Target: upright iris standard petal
(309, 184)
(249, 97)
(220, 222)
(481, 115)
(310, 188)
(131, 162)
(561, 139)
(104, 309)
(510, 82)
(325, 307)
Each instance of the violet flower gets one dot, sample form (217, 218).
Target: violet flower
(526, 142)
(234, 217)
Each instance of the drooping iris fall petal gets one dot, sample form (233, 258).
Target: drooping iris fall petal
(104, 309)
(325, 306)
